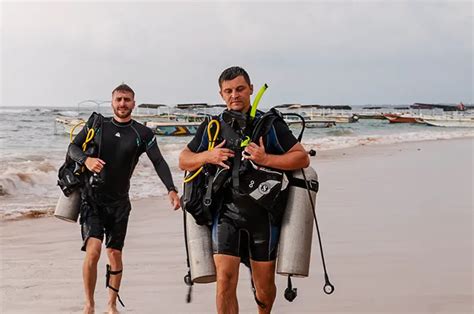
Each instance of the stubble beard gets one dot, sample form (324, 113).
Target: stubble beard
(119, 113)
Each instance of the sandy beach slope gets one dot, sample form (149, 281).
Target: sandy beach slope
(397, 228)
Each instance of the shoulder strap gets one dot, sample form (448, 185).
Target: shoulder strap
(265, 123)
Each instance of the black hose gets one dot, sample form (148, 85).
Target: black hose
(187, 278)
(303, 123)
(328, 287)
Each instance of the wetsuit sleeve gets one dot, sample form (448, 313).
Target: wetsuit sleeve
(285, 136)
(75, 148)
(160, 164)
(196, 142)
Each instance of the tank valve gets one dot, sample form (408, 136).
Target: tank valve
(290, 292)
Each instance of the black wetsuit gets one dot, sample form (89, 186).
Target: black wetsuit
(233, 221)
(105, 207)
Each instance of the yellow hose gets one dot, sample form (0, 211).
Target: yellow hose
(89, 137)
(73, 128)
(210, 146)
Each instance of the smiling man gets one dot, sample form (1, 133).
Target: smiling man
(110, 160)
(238, 219)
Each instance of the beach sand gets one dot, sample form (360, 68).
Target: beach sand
(396, 224)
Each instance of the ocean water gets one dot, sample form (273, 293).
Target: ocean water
(33, 147)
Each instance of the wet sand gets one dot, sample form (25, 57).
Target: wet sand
(397, 229)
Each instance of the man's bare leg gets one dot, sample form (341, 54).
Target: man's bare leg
(263, 274)
(227, 269)
(89, 272)
(115, 261)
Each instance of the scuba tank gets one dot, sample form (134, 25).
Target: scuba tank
(67, 207)
(296, 233)
(199, 248)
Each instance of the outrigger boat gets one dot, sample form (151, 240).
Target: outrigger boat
(400, 118)
(322, 114)
(69, 123)
(173, 128)
(449, 121)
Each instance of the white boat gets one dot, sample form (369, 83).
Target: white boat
(66, 124)
(334, 117)
(326, 115)
(173, 128)
(449, 121)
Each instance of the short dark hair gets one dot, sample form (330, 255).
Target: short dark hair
(123, 88)
(231, 73)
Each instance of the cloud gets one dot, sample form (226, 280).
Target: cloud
(356, 52)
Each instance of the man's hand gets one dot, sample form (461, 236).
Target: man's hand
(256, 153)
(174, 200)
(218, 155)
(94, 164)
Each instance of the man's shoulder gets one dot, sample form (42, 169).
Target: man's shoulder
(142, 129)
(138, 124)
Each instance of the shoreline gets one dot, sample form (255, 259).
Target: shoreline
(321, 156)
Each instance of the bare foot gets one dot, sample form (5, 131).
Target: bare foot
(113, 309)
(89, 309)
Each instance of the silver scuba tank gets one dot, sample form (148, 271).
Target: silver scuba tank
(67, 207)
(199, 246)
(294, 252)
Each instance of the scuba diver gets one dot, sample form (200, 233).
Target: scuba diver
(110, 159)
(246, 211)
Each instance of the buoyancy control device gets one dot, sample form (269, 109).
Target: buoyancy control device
(70, 174)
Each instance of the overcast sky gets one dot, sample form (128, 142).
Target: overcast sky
(333, 52)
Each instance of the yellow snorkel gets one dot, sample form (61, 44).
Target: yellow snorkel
(253, 111)
(256, 101)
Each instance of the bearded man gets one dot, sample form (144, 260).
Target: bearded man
(110, 158)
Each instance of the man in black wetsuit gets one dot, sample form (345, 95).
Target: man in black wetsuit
(119, 141)
(233, 220)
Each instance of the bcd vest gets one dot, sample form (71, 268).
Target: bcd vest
(251, 185)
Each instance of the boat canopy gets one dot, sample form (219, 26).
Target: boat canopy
(192, 106)
(152, 106)
(444, 107)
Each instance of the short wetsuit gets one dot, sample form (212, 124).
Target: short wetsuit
(234, 224)
(105, 208)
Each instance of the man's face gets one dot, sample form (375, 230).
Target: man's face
(122, 104)
(236, 94)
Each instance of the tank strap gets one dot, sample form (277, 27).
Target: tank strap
(207, 200)
(312, 184)
(259, 303)
(235, 170)
(107, 280)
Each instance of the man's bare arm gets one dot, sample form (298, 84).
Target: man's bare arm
(191, 161)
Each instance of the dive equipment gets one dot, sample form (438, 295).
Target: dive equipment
(199, 246)
(110, 272)
(296, 233)
(256, 101)
(311, 186)
(68, 205)
(211, 144)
